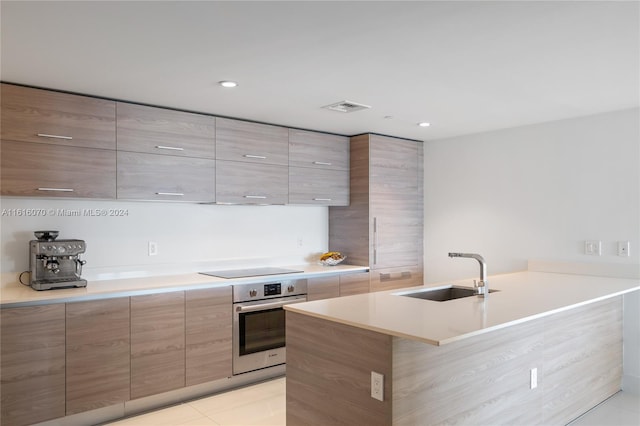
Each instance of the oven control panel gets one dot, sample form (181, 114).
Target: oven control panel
(269, 290)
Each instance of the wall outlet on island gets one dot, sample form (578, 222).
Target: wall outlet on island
(377, 386)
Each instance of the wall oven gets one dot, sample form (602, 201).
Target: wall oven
(259, 322)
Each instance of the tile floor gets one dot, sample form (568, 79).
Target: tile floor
(263, 404)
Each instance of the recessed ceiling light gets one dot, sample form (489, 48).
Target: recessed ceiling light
(227, 83)
(424, 124)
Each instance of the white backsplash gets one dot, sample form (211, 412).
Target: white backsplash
(190, 237)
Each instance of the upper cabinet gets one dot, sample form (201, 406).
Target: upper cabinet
(165, 154)
(318, 168)
(163, 131)
(249, 142)
(44, 116)
(62, 145)
(57, 145)
(251, 163)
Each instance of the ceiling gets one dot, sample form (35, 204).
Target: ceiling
(464, 66)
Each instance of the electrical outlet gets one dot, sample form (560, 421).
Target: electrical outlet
(153, 248)
(377, 386)
(593, 247)
(534, 378)
(623, 248)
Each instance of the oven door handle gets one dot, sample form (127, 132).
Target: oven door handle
(263, 306)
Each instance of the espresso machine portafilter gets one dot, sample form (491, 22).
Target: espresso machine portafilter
(55, 263)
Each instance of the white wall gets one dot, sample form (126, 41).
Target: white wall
(188, 235)
(537, 192)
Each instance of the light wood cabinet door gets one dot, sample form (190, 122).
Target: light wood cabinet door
(395, 203)
(163, 131)
(246, 183)
(208, 335)
(323, 287)
(244, 141)
(45, 116)
(383, 225)
(393, 278)
(32, 364)
(32, 169)
(354, 284)
(161, 177)
(318, 150)
(157, 343)
(318, 186)
(98, 348)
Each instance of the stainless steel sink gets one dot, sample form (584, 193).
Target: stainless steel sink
(442, 294)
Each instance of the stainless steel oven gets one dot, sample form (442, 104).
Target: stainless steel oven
(259, 322)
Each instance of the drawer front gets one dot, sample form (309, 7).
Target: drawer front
(43, 116)
(251, 142)
(166, 132)
(316, 186)
(392, 278)
(354, 284)
(323, 288)
(57, 171)
(247, 183)
(318, 150)
(161, 177)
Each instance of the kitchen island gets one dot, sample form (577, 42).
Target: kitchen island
(543, 349)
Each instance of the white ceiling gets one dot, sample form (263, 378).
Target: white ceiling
(466, 67)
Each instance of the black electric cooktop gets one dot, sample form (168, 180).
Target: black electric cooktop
(250, 272)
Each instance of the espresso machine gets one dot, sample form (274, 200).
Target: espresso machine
(55, 263)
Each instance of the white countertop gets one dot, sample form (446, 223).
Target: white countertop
(14, 294)
(522, 296)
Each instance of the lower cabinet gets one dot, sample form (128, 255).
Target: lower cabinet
(32, 364)
(337, 285)
(399, 277)
(157, 343)
(97, 348)
(208, 335)
(323, 287)
(354, 284)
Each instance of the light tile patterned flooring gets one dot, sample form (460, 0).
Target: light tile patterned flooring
(263, 404)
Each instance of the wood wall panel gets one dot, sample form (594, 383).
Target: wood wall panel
(208, 335)
(329, 373)
(157, 343)
(349, 228)
(98, 348)
(482, 380)
(582, 359)
(32, 364)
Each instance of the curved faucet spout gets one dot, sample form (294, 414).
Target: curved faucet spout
(483, 285)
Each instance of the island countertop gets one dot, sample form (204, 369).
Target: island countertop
(521, 296)
(14, 294)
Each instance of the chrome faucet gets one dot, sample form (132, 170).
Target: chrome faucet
(482, 286)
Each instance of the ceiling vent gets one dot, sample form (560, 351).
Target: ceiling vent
(346, 106)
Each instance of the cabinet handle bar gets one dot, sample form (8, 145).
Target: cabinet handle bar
(322, 199)
(260, 157)
(172, 148)
(174, 194)
(255, 196)
(56, 189)
(321, 163)
(45, 135)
